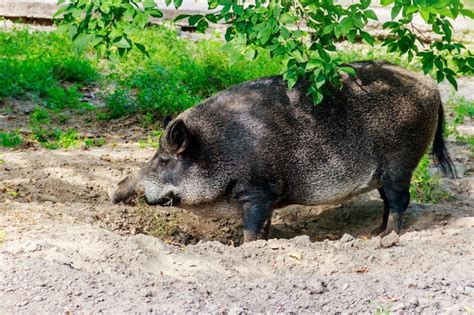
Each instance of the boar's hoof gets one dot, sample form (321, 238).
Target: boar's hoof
(249, 236)
(394, 224)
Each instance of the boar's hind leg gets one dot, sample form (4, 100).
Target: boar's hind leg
(257, 206)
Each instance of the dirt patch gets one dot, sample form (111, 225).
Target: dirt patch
(65, 247)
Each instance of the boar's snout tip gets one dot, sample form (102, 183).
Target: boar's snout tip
(112, 194)
(127, 195)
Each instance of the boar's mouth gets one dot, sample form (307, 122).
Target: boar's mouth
(168, 200)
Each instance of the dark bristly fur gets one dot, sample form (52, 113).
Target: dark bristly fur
(259, 146)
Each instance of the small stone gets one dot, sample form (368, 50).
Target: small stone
(236, 310)
(316, 287)
(301, 240)
(37, 298)
(413, 301)
(272, 244)
(390, 240)
(347, 238)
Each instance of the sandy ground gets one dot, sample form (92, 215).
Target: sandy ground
(65, 248)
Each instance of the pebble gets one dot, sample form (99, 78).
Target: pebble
(390, 240)
(413, 301)
(236, 310)
(347, 238)
(316, 287)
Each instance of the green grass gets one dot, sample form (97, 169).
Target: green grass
(462, 109)
(46, 68)
(43, 66)
(178, 75)
(11, 139)
(425, 187)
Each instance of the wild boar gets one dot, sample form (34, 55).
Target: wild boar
(258, 146)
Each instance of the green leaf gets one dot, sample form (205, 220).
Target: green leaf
(313, 64)
(148, 4)
(351, 35)
(367, 37)
(425, 14)
(181, 17)
(317, 97)
(396, 10)
(177, 3)
(142, 49)
(386, 2)
(346, 25)
(193, 19)
(238, 9)
(212, 18)
(468, 13)
(122, 43)
(453, 81)
(357, 21)
(427, 67)
(439, 76)
(291, 78)
(250, 53)
(328, 29)
(155, 13)
(349, 70)
(447, 31)
(320, 80)
(370, 14)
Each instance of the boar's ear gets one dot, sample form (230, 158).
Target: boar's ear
(178, 137)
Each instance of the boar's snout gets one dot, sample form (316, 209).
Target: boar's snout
(126, 190)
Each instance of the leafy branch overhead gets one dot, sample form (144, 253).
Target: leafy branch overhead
(300, 33)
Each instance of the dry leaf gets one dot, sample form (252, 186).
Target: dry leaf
(297, 256)
(362, 269)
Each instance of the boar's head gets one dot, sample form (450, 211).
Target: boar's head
(176, 175)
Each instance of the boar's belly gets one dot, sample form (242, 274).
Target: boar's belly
(223, 209)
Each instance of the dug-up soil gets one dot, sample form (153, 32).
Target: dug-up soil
(65, 248)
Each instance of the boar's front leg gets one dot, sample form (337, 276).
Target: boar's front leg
(257, 207)
(396, 197)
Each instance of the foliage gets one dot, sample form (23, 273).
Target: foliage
(39, 116)
(152, 141)
(462, 109)
(106, 25)
(425, 187)
(50, 137)
(39, 66)
(88, 143)
(118, 104)
(300, 33)
(10, 139)
(177, 75)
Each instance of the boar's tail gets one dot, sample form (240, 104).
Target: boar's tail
(439, 148)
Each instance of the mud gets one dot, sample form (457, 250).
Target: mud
(65, 248)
